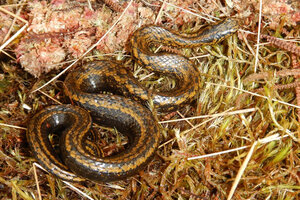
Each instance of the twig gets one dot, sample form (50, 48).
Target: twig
(37, 181)
(269, 139)
(50, 97)
(229, 3)
(187, 11)
(247, 159)
(13, 126)
(13, 37)
(213, 115)
(265, 97)
(240, 98)
(72, 187)
(218, 153)
(90, 5)
(182, 133)
(258, 36)
(14, 15)
(67, 183)
(160, 12)
(12, 24)
(187, 121)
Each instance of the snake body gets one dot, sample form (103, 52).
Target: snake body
(176, 66)
(124, 110)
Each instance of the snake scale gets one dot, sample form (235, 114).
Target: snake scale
(123, 106)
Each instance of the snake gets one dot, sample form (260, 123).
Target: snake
(107, 93)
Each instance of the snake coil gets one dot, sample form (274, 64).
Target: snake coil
(119, 110)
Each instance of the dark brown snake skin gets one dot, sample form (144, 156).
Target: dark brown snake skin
(124, 109)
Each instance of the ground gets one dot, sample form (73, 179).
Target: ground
(243, 142)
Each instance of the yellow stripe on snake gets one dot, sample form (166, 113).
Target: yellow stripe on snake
(123, 108)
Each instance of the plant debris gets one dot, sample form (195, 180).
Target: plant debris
(238, 140)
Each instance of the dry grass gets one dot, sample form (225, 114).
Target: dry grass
(239, 140)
